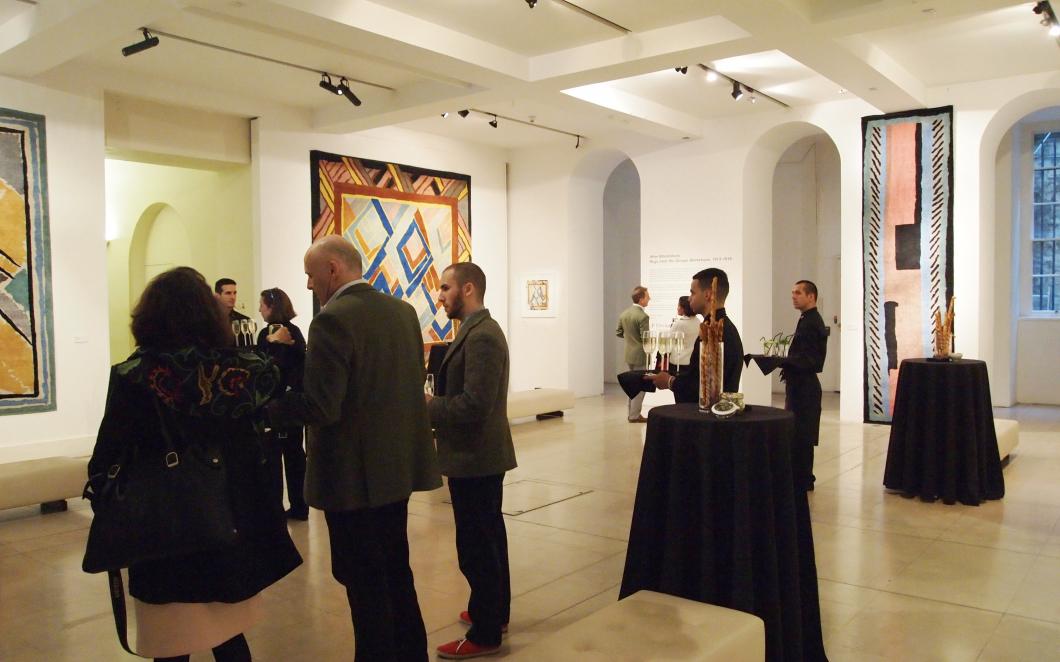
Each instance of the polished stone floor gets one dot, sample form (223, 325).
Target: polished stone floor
(899, 579)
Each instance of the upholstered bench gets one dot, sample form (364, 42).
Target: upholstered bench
(1008, 436)
(48, 481)
(654, 626)
(540, 402)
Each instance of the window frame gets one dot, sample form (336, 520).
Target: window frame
(1026, 240)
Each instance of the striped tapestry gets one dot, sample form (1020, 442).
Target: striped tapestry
(907, 234)
(27, 360)
(408, 224)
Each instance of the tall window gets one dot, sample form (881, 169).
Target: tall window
(1045, 233)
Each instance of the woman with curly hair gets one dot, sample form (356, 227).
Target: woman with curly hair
(186, 379)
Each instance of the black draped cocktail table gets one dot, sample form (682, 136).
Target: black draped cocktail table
(717, 519)
(943, 443)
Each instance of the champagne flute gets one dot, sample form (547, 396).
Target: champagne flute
(645, 343)
(653, 344)
(428, 386)
(664, 349)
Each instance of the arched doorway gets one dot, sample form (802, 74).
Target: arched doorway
(621, 254)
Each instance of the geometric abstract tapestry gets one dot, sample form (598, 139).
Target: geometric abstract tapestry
(907, 235)
(407, 223)
(27, 362)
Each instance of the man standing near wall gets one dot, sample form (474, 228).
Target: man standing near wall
(225, 291)
(802, 388)
(369, 444)
(632, 324)
(685, 384)
(470, 417)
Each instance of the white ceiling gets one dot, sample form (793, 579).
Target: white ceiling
(551, 63)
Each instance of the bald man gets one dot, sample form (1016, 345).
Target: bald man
(369, 444)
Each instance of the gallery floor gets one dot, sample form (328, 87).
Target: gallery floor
(899, 579)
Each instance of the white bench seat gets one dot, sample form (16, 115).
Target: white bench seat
(654, 626)
(42, 481)
(1008, 436)
(539, 401)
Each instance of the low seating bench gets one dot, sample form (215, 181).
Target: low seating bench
(48, 481)
(654, 626)
(540, 402)
(1008, 436)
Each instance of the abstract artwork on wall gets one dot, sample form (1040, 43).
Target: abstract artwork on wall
(27, 364)
(541, 294)
(907, 235)
(408, 224)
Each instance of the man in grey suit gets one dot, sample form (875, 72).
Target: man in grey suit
(470, 416)
(631, 324)
(369, 445)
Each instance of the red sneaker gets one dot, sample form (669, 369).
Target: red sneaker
(465, 618)
(465, 648)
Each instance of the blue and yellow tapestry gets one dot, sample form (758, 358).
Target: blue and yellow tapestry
(27, 364)
(908, 243)
(408, 224)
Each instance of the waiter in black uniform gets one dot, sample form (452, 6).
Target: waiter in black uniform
(685, 384)
(802, 389)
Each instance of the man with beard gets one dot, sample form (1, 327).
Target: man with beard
(470, 415)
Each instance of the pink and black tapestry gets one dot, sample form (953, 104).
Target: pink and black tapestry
(907, 233)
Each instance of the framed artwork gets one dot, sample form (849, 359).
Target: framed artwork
(907, 242)
(27, 357)
(540, 295)
(408, 224)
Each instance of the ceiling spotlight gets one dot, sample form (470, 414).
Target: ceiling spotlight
(344, 90)
(325, 82)
(1040, 7)
(681, 70)
(445, 114)
(149, 41)
(737, 91)
(754, 99)
(712, 76)
(493, 122)
(463, 113)
(531, 3)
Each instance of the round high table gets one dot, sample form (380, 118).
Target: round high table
(717, 519)
(943, 443)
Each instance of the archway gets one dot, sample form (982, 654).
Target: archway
(998, 320)
(755, 312)
(586, 268)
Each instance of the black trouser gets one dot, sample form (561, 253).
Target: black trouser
(482, 548)
(284, 454)
(802, 397)
(233, 650)
(370, 557)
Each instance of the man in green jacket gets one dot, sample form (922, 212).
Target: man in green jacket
(369, 444)
(470, 417)
(632, 323)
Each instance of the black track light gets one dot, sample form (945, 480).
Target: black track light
(681, 70)
(344, 90)
(493, 122)
(463, 113)
(149, 41)
(531, 3)
(325, 82)
(445, 114)
(737, 91)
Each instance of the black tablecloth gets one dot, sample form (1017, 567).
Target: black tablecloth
(717, 520)
(766, 364)
(943, 442)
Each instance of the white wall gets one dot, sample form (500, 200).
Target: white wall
(282, 203)
(74, 134)
(621, 246)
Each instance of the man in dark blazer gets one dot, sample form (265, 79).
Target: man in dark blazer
(685, 384)
(802, 388)
(369, 444)
(470, 415)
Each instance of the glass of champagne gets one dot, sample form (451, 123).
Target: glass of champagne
(645, 341)
(653, 349)
(664, 348)
(428, 386)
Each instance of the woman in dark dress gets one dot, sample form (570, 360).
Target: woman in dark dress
(186, 371)
(284, 448)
